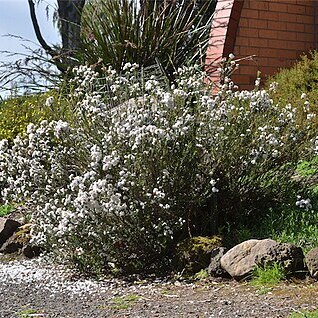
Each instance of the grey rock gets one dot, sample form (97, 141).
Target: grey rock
(311, 261)
(31, 251)
(240, 261)
(11, 246)
(286, 254)
(7, 228)
(215, 269)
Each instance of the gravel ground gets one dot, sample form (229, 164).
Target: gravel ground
(32, 288)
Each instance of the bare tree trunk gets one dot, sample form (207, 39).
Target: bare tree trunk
(70, 13)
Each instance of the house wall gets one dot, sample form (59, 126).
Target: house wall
(265, 34)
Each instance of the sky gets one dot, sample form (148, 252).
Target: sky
(15, 19)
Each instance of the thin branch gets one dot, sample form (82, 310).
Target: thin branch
(41, 40)
(37, 30)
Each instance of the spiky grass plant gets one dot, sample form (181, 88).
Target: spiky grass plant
(172, 33)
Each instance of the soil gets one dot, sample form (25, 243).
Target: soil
(31, 289)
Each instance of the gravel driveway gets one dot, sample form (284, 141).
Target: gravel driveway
(32, 288)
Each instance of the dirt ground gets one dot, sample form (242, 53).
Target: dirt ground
(159, 298)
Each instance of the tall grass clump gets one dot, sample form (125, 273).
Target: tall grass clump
(172, 33)
(269, 275)
(147, 163)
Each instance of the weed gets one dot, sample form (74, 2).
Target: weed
(27, 313)
(5, 210)
(123, 302)
(263, 290)
(268, 275)
(202, 274)
(305, 314)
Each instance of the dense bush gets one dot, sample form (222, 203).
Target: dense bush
(298, 85)
(296, 220)
(149, 164)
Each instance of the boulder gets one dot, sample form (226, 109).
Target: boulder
(194, 254)
(311, 261)
(215, 269)
(241, 260)
(7, 228)
(19, 242)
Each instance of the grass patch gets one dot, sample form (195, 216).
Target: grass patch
(268, 275)
(5, 210)
(124, 302)
(307, 314)
(26, 313)
(263, 290)
(202, 274)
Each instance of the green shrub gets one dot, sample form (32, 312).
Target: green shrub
(17, 112)
(300, 79)
(5, 210)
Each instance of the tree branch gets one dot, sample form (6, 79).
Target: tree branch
(41, 40)
(37, 30)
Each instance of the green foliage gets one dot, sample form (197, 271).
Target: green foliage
(145, 32)
(304, 314)
(308, 168)
(27, 313)
(299, 79)
(124, 302)
(5, 210)
(299, 227)
(289, 223)
(202, 274)
(268, 275)
(17, 112)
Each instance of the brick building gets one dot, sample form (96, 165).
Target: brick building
(267, 34)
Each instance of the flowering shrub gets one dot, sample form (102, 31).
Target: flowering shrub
(148, 164)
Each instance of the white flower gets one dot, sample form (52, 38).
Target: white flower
(303, 203)
(49, 101)
(303, 96)
(60, 127)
